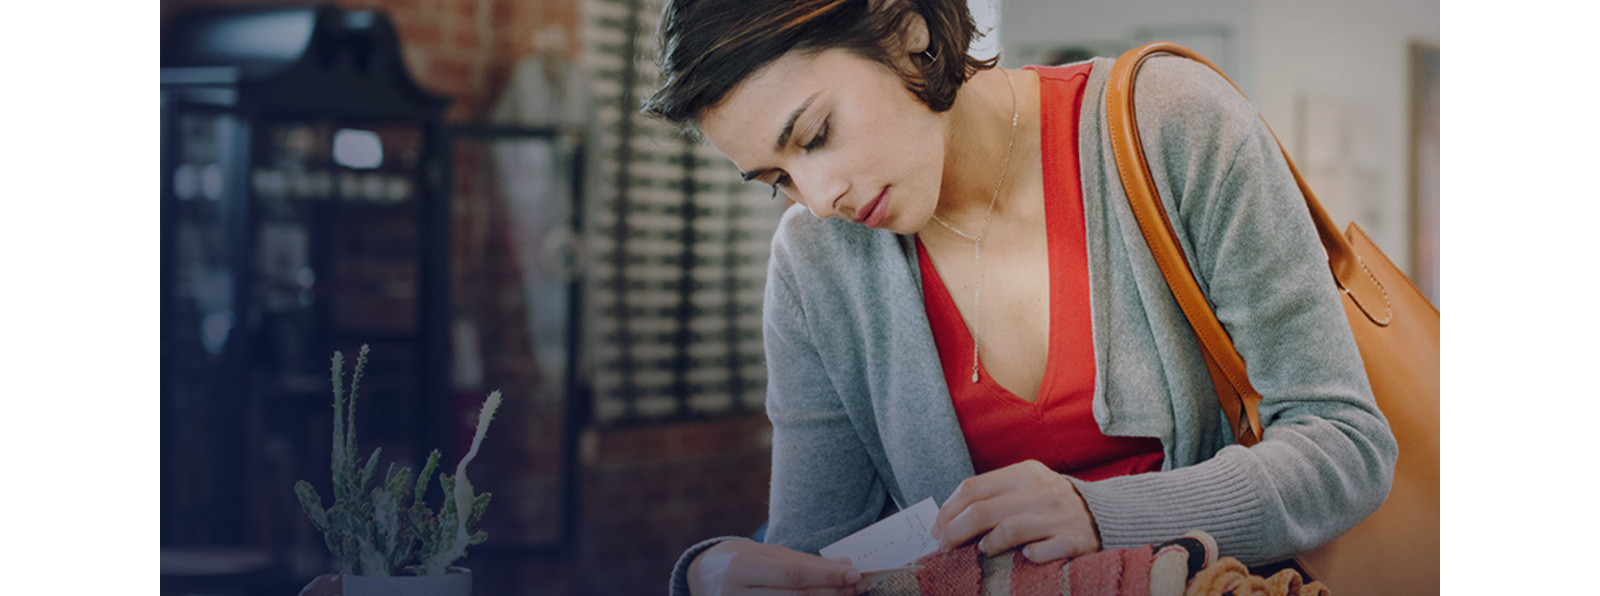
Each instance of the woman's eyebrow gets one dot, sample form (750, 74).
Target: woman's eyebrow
(788, 127)
(783, 136)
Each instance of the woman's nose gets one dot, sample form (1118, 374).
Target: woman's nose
(820, 191)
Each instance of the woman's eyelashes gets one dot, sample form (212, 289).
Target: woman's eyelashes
(821, 137)
(781, 181)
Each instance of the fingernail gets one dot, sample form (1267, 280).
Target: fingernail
(852, 576)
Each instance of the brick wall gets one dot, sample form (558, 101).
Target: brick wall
(646, 491)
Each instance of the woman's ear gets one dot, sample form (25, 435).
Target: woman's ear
(916, 34)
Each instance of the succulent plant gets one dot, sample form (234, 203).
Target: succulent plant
(389, 529)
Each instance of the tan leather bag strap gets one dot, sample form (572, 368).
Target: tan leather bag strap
(1239, 400)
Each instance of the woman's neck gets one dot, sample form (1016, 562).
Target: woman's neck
(977, 136)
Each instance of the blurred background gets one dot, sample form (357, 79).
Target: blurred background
(467, 187)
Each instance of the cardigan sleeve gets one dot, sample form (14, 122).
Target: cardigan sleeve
(1327, 454)
(824, 483)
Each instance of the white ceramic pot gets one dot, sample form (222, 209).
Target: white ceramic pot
(458, 582)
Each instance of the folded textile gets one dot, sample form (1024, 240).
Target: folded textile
(1186, 566)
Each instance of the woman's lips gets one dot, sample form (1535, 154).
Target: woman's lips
(874, 213)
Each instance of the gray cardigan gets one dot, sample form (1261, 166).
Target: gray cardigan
(862, 419)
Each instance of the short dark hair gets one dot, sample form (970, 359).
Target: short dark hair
(709, 46)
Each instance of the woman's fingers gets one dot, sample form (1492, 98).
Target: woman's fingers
(979, 518)
(972, 489)
(1011, 521)
(802, 571)
(1015, 531)
(1022, 504)
(978, 489)
(744, 567)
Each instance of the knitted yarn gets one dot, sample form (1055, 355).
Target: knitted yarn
(1229, 576)
(950, 573)
(1033, 579)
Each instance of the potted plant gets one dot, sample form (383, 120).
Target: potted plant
(388, 538)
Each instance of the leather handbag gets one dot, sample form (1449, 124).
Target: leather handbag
(1396, 328)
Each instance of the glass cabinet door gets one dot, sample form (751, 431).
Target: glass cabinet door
(338, 253)
(289, 239)
(199, 317)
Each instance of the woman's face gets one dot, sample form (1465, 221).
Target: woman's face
(837, 133)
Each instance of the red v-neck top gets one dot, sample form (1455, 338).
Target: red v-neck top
(1059, 428)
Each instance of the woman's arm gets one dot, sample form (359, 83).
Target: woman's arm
(1327, 456)
(824, 484)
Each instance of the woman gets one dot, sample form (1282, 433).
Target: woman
(969, 312)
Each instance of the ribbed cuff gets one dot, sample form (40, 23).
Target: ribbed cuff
(1217, 496)
(680, 571)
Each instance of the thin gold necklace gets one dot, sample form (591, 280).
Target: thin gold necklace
(977, 241)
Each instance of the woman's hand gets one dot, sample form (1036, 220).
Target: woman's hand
(1025, 503)
(745, 567)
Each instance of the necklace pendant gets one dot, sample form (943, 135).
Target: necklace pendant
(977, 241)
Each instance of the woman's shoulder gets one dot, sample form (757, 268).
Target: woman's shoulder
(802, 234)
(840, 260)
(826, 243)
(1180, 91)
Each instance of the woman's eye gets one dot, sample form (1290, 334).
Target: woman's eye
(820, 139)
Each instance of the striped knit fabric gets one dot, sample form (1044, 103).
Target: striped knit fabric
(1186, 566)
(1136, 568)
(950, 573)
(1032, 579)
